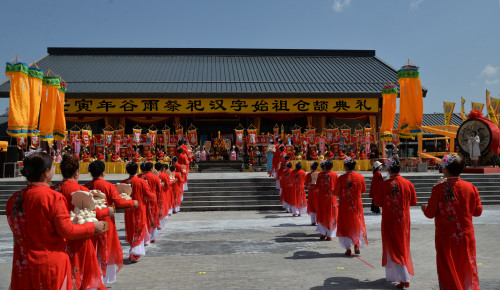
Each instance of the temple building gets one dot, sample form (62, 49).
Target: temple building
(217, 89)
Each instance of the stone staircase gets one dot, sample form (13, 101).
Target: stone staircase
(260, 193)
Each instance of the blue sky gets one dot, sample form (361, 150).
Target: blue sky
(456, 43)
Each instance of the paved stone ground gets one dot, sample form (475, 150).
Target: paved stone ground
(272, 250)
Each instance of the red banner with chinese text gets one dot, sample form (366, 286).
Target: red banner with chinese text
(108, 138)
(193, 137)
(252, 137)
(137, 136)
(35, 141)
(152, 136)
(239, 138)
(179, 133)
(72, 136)
(276, 133)
(119, 134)
(296, 136)
(311, 136)
(166, 137)
(86, 136)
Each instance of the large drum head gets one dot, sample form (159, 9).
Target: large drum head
(482, 130)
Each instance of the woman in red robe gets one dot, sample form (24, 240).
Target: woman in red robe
(136, 230)
(109, 249)
(351, 229)
(283, 186)
(287, 186)
(164, 181)
(179, 168)
(395, 196)
(152, 205)
(452, 204)
(377, 181)
(327, 202)
(298, 193)
(40, 223)
(312, 192)
(176, 178)
(85, 273)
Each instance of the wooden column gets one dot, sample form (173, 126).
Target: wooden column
(256, 123)
(177, 121)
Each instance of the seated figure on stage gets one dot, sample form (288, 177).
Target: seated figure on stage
(149, 157)
(115, 158)
(100, 157)
(342, 155)
(313, 154)
(86, 157)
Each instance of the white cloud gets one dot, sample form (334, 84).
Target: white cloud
(492, 82)
(339, 5)
(489, 71)
(415, 3)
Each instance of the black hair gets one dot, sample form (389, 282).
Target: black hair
(172, 167)
(298, 165)
(131, 168)
(180, 149)
(350, 165)
(174, 159)
(286, 157)
(282, 148)
(69, 165)
(456, 167)
(96, 168)
(289, 164)
(395, 165)
(146, 166)
(158, 166)
(322, 165)
(314, 165)
(35, 165)
(328, 164)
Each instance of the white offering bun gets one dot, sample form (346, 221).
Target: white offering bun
(97, 193)
(82, 200)
(124, 188)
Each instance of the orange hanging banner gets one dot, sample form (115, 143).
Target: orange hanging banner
(389, 95)
(477, 107)
(462, 111)
(108, 138)
(448, 112)
(152, 136)
(86, 136)
(137, 136)
(60, 119)
(311, 136)
(252, 137)
(346, 133)
(296, 136)
(166, 137)
(50, 86)
(491, 112)
(179, 133)
(19, 99)
(411, 104)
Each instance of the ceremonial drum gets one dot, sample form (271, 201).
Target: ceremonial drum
(483, 130)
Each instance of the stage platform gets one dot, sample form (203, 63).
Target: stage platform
(480, 170)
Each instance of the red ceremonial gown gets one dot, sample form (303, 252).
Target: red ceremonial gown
(312, 196)
(377, 181)
(298, 199)
(85, 271)
(452, 205)
(177, 187)
(351, 220)
(395, 196)
(182, 172)
(165, 179)
(326, 214)
(135, 218)
(40, 224)
(109, 249)
(153, 205)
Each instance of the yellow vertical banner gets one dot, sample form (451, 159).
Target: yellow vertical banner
(477, 106)
(60, 119)
(35, 79)
(389, 95)
(448, 108)
(462, 110)
(19, 99)
(495, 104)
(50, 86)
(491, 113)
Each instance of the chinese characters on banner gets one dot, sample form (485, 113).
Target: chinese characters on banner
(73, 135)
(222, 105)
(166, 137)
(448, 112)
(119, 134)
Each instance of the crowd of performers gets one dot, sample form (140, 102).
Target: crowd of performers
(335, 207)
(50, 252)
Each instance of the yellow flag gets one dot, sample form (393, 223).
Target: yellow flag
(491, 113)
(477, 107)
(495, 104)
(448, 112)
(462, 110)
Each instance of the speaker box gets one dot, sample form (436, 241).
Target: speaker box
(12, 154)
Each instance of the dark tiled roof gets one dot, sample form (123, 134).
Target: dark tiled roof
(4, 121)
(436, 119)
(136, 70)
